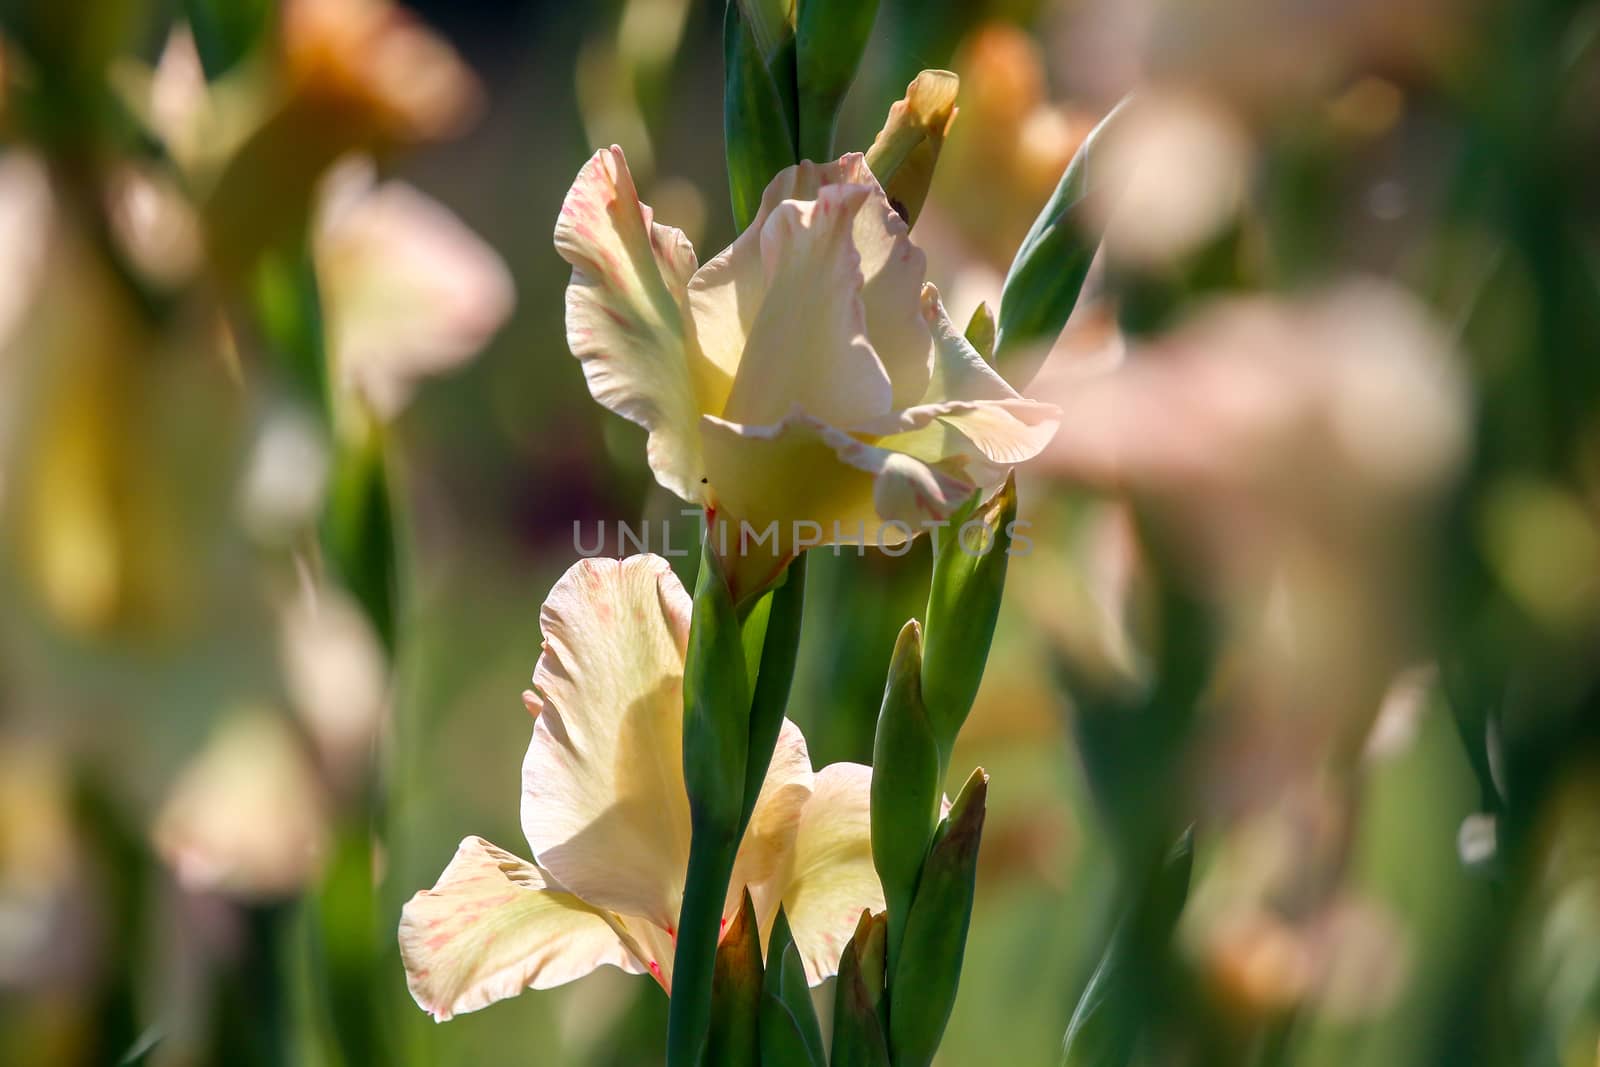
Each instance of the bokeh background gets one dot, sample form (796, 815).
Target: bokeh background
(1334, 602)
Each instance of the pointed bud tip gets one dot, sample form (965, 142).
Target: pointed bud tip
(931, 99)
(910, 640)
(973, 797)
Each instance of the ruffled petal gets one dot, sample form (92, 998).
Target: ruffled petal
(894, 269)
(828, 878)
(802, 471)
(626, 315)
(969, 417)
(959, 372)
(808, 347)
(492, 927)
(604, 805)
(726, 294)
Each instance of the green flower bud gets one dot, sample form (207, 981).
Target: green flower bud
(923, 990)
(736, 993)
(830, 39)
(969, 575)
(903, 155)
(980, 331)
(1052, 262)
(858, 1039)
(790, 1034)
(905, 783)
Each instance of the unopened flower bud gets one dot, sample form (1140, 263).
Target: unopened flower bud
(969, 575)
(905, 151)
(905, 782)
(929, 968)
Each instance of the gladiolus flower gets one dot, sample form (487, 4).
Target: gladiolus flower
(805, 377)
(606, 813)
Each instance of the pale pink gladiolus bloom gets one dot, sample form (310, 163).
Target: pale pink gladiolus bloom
(606, 814)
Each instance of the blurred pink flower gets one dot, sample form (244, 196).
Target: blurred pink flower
(409, 290)
(247, 817)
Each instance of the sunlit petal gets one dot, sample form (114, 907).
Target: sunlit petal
(828, 878)
(604, 804)
(492, 927)
(626, 314)
(808, 347)
(802, 471)
(776, 817)
(726, 293)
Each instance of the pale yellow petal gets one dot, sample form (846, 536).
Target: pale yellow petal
(492, 927)
(604, 804)
(808, 347)
(959, 372)
(805, 481)
(775, 818)
(727, 293)
(654, 946)
(828, 878)
(968, 417)
(626, 314)
(894, 269)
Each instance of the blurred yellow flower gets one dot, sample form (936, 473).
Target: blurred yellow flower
(606, 812)
(805, 382)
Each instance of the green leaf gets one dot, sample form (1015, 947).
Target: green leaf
(923, 989)
(1105, 1026)
(758, 139)
(790, 1033)
(736, 993)
(969, 576)
(1052, 262)
(858, 1039)
(830, 37)
(905, 783)
(981, 330)
(771, 23)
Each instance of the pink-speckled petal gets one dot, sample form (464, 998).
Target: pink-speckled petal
(604, 805)
(491, 927)
(627, 315)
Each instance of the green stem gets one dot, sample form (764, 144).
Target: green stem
(711, 854)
